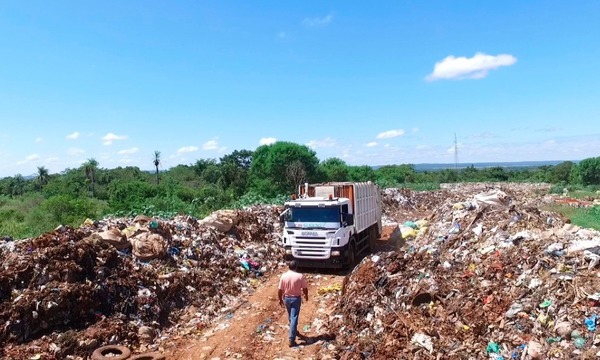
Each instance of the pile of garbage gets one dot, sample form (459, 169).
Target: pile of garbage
(491, 276)
(126, 281)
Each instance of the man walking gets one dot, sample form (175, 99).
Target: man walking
(291, 287)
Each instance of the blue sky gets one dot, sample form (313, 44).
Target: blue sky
(388, 82)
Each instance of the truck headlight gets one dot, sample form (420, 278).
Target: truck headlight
(288, 251)
(335, 253)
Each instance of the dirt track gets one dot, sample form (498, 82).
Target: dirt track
(258, 327)
(241, 335)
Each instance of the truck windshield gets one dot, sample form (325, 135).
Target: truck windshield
(314, 214)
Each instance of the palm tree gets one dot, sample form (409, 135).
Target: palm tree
(17, 185)
(90, 167)
(156, 163)
(43, 177)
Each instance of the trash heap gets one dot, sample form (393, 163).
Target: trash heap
(493, 276)
(126, 281)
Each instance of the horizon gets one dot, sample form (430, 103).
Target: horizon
(387, 84)
(419, 167)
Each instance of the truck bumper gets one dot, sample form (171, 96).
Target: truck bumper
(334, 262)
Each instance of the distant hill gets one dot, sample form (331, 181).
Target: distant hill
(483, 165)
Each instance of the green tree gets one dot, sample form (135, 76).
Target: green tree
(361, 173)
(588, 171)
(156, 164)
(17, 185)
(394, 175)
(334, 169)
(43, 177)
(277, 168)
(495, 173)
(235, 169)
(561, 173)
(90, 168)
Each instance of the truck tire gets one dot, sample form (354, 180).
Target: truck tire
(372, 240)
(351, 255)
(116, 352)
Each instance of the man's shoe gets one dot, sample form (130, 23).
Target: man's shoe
(292, 343)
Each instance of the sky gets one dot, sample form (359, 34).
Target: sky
(386, 82)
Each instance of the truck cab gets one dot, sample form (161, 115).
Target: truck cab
(320, 230)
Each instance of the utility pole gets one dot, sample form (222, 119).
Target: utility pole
(455, 153)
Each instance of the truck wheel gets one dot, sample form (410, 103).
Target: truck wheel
(351, 255)
(372, 240)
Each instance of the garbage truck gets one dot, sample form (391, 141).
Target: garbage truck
(329, 225)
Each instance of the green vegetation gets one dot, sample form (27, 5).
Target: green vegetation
(584, 217)
(269, 174)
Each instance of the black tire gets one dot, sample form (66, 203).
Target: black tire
(117, 352)
(373, 240)
(351, 259)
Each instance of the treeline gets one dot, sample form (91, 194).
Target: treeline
(269, 174)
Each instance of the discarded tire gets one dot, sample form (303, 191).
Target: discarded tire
(148, 356)
(116, 352)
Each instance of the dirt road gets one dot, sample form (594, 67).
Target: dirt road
(258, 328)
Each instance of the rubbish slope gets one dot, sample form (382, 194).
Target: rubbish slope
(481, 273)
(127, 281)
(488, 276)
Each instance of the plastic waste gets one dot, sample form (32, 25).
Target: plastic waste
(408, 232)
(545, 304)
(579, 342)
(455, 229)
(423, 341)
(492, 347)
(422, 223)
(591, 322)
(410, 224)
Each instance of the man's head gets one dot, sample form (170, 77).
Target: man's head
(293, 265)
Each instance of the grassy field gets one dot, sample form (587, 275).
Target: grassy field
(584, 217)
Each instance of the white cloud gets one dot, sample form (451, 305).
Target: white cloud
(187, 149)
(371, 144)
(73, 136)
(129, 151)
(39, 140)
(110, 138)
(322, 143)
(391, 134)
(210, 145)
(75, 151)
(476, 67)
(318, 21)
(30, 158)
(267, 141)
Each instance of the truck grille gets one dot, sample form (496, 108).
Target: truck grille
(310, 248)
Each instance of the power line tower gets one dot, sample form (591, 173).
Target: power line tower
(455, 153)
